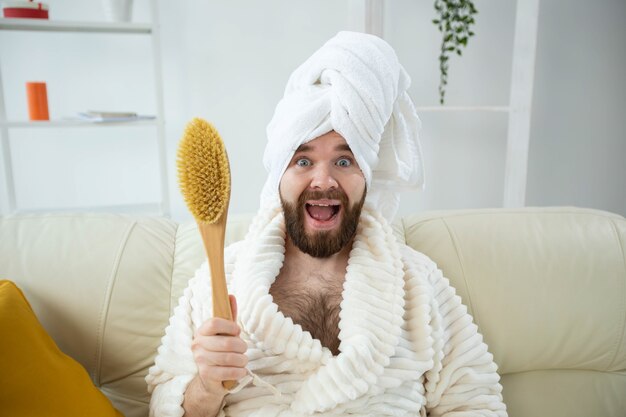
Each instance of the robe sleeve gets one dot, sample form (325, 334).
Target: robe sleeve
(174, 366)
(463, 381)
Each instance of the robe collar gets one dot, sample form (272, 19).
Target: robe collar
(370, 319)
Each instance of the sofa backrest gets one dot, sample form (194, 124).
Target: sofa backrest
(547, 288)
(100, 284)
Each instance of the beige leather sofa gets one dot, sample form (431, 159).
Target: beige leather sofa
(547, 288)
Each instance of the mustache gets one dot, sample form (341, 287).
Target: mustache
(334, 194)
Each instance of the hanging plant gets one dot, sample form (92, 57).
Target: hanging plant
(455, 20)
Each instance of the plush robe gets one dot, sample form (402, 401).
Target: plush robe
(408, 347)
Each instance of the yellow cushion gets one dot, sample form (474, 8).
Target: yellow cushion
(38, 379)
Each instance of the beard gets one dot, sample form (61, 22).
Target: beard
(321, 244)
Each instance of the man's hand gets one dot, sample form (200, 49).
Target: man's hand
(219, 353)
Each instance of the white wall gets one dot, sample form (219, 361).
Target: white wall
(578, 145)
(229, 61)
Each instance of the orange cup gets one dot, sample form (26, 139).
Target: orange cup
(37, 100)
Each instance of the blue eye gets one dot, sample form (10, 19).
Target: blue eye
(303, 162)
(344, 162)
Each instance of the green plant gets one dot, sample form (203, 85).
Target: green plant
(455, 20)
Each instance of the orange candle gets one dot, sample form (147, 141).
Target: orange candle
(37, 100)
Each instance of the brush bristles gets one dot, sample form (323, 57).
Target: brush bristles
(203, 171)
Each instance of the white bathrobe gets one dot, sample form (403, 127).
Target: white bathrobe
(407, 345)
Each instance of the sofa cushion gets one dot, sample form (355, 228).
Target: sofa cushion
(38, 379)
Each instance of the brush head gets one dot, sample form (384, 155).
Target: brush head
(203, 171)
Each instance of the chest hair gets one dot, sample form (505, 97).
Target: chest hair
(313, 303)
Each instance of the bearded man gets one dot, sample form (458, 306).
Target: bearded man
(334, 316)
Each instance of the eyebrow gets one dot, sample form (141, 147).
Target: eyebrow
(307, 148)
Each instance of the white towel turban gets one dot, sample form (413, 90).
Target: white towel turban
(355, 86)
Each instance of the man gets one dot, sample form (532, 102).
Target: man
(333, 316)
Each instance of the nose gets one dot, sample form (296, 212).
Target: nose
(323, 178)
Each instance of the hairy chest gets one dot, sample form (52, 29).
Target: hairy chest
(315, 306)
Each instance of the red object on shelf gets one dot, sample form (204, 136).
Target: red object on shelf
(25, 10)
(25, 13)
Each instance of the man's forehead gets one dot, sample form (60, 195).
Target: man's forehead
(305, 147)
(335, 141)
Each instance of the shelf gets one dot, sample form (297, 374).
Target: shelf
(45, 25)
(150, 31)
(462, 108)
(77, 123)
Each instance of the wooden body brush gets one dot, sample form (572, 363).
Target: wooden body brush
(204, 178)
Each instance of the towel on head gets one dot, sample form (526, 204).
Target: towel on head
(355, 86)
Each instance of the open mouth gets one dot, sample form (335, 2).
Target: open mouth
(323, 211)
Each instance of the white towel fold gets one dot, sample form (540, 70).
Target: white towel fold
(355, 86)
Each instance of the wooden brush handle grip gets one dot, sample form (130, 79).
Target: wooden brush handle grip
(213, 235)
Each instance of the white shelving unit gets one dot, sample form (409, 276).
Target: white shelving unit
(142, 29)
(368, 17)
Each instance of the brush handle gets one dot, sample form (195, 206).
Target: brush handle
(213, 235)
